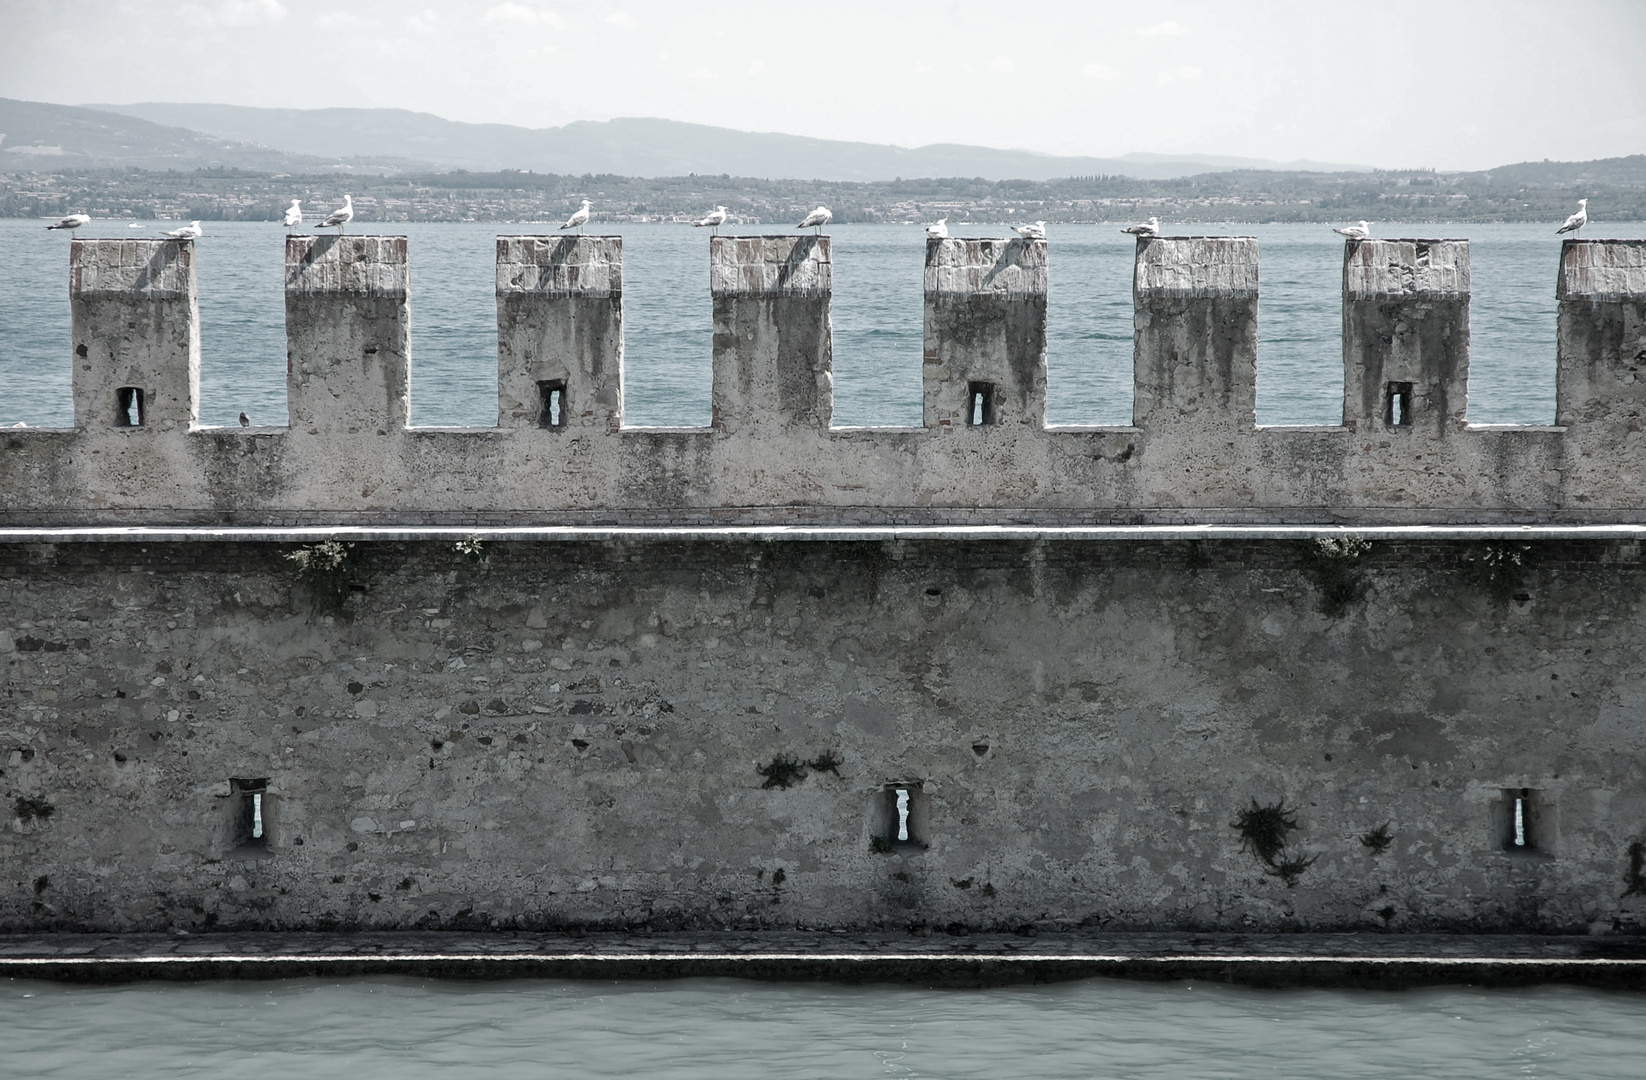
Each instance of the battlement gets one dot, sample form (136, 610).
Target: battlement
(1405, 451)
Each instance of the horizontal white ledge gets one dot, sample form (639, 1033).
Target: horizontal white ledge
(305, 534)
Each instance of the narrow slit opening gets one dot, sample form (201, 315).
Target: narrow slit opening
(553, 414)
(130, 411)
(979, 404)
(249, 810)
(1397, 404)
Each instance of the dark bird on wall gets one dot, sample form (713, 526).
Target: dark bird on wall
(1577, 220)
(245, 421)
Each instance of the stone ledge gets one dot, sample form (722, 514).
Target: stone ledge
(308, 534)
(926, 958)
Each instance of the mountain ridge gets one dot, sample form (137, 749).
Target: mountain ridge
(645, 147)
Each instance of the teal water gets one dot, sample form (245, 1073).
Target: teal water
(877, 322)
(368, 1029)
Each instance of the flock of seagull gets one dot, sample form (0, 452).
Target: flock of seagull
(939, 230)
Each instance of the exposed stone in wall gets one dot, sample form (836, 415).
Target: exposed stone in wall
(574, 734)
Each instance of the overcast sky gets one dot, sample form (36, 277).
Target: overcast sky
(1392, 83)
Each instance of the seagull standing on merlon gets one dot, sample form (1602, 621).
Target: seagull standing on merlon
(817, 219)
(339, 219)
(1577, 220)
(579, 219)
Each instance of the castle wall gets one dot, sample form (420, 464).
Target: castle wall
(771, 455)
(573, 734)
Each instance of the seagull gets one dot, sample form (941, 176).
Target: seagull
(715, 220)
(191, 231)
(72, 222)
(817, 219)
(294, 214)
(245, 421)
(1573, 223)
(939, 231)
(1148, 228)
(579, 219)
(339, 219)
(1037, 231)
(1355, 232)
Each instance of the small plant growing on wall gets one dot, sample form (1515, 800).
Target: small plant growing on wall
(1378, 840)
(1335, 563)
(470, 549)
(28, 809)
(1499, 569)
(784, 771)
(326, 569)
(1263, 832)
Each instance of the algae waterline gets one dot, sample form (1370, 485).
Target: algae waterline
(727, 1029)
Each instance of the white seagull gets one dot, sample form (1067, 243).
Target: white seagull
(1355, 232)
(294, 214)
(579, 219)
(339, 219)
(72, 222)
(1148, 228)
(713, 220)
(817, 219)
(1577, 220)
(939, 231)
(1037, 231)
(191, 231)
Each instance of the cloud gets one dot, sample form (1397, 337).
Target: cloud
(1182, 73)
(337, 20)
(758, 67)
(704, 75)
(234, 13)
(1100, 71)
(521, 14)
(1163, 29)
(1000, 64)
(621, 19)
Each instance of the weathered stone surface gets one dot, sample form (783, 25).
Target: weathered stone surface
(1194, 454)
(984, 351)
(1406, 337)
(1602, 270)
(136, 332)
(1405, 269)
(572, 734)
(560, 328)
(773, 339)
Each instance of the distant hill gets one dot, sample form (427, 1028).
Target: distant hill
(36, 136)
(645, 147)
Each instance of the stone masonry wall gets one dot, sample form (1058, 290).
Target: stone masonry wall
(1405, 451)
(573, 734)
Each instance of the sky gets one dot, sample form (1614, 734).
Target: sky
(1448, 84)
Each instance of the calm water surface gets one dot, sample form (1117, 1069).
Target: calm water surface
(726, 1030)
(877, 321)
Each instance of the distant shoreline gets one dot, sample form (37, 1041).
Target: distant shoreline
(514, 197)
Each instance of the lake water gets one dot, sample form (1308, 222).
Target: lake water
(877, 321)
(400, 1029)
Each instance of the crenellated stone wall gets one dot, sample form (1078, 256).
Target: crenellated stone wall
(1405, 452)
